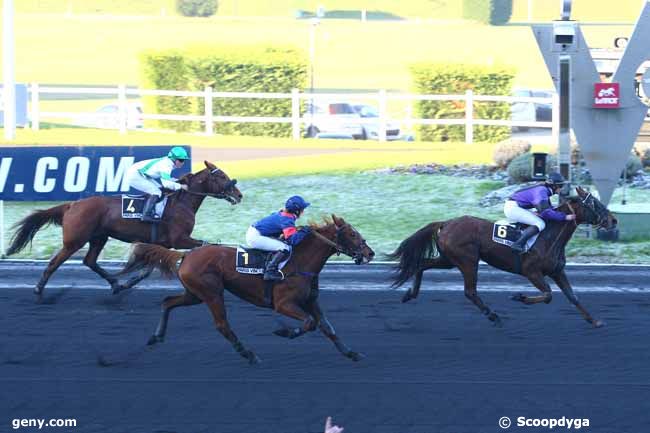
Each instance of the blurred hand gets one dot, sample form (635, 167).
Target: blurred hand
(329, 428)
(184, 187)
(571, 217)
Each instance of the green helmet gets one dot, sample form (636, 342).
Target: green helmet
(178, 153)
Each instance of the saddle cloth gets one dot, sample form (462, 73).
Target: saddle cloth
(132, 206)
(253, 261)
(506, 233)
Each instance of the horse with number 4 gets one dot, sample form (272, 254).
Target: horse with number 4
(93, 220)
(207, 271)
(462, 242)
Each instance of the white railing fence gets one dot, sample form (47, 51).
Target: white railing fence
(208, 118)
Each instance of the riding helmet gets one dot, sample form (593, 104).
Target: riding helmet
(555, 179)
(295, 204)
(178, 153)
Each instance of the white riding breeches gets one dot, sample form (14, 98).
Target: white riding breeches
(255, 240)
(138, 181)
(519, 215)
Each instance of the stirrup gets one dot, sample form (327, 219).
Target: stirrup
(274, 275)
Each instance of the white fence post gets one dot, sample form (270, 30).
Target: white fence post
(2, 229)
(122, 108)
(295, 114)
(469, 117)
(382, 115)
(209, 121)
(555, 113)
(34, 110)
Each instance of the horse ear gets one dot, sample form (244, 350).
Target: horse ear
(209, 165)
(338, 221)
(580, 191)
(185, 179)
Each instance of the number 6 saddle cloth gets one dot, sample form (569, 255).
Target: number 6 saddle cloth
(253, 261)
(506, 233)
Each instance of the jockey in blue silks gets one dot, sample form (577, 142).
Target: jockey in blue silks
(276, 232)
(532, 205)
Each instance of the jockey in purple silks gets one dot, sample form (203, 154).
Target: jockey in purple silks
(267, 232)
(532, 206)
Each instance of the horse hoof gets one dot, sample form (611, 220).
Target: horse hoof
(253, 359)
(598, 324)
(518, 297)
(356, 356)
(407, 297)
(154, 339)
(283, 332)
(494, 317)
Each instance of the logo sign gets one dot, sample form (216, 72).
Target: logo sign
(71, 173)
(607, 95)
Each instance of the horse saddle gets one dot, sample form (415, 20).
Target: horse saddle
(133, 204)
(506, 233)
(253, 261)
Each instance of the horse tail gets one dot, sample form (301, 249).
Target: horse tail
(149, 257)
(27, 228)
(412, 252)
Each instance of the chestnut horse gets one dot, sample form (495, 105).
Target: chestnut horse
(95, 219)
(462, 242)
(207, 271)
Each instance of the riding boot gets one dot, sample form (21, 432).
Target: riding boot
(271, 272)
(520, 244)
(149, 210)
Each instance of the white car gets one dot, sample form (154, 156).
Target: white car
(371, 128)
(337, 118)
(107, 117)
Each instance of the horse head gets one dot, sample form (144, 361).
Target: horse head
(590, 210)
(350, 242)
(213, 182)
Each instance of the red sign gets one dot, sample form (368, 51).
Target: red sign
(607, 95)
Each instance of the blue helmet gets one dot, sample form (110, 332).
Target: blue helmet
(295, 204)
(555, 179)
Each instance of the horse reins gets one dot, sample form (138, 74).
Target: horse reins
(333, 244)
(564, 227)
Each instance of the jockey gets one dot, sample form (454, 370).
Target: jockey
(266, 233)
(521, 205)
(150, 175)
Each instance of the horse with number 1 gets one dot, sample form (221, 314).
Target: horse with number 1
(95, 219)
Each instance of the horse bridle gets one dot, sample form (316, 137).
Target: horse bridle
(357, 255)
(222, 195)
(591, 207)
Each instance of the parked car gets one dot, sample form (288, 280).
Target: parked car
(371, 130)
(531, 111)
(107, 117)
(337, 118)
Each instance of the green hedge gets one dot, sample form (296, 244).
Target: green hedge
(456, 79)
(494, 12)
(197, 8)
(228, 69)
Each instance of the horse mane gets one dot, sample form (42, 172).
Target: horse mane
(326, 221)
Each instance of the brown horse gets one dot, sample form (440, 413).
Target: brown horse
(207, 271)
(95, 219)
(462, 242)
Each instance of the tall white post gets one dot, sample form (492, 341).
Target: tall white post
(295, 114)
(382, 115)
(34, 109)
(122, 108)
(209, 121)
(469, 117)
(8, 70)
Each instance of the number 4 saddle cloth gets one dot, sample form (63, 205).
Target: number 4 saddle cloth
(506, 233)
(132, 206)
(253, 261)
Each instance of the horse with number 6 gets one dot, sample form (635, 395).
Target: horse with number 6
(207, 271)
(97, 218)
(462, 242)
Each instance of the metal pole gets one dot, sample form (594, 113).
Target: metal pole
(469, 117)
(8, 67)
(564, 145)
(2, 229)
(209, 122)
(312, 58)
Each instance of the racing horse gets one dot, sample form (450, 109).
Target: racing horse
(95, 219)
(207, 271)
(462, 242)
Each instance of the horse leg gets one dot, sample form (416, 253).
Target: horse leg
(291, 309)
(562, 281)
(134, 280)
(218, 310)
(328, 330)
(470, 277)
(538, 281)
(60, 257)
(95, 247)
(168, 304)
(413, 292)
